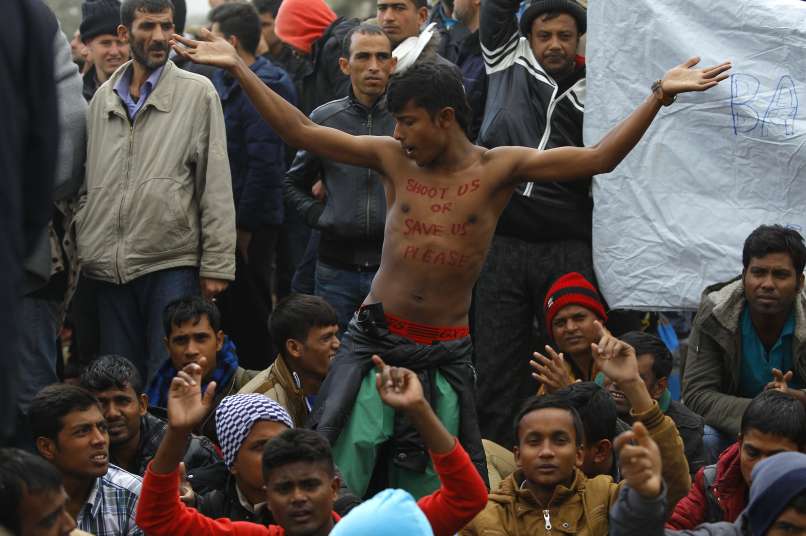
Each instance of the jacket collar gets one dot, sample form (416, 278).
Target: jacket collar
(286, 378)
(379, 106)
(729, 480)
(160, 98)
(515, 489)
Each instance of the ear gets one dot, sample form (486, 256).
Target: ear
(143, 401)
(393, 64)
(580, 456)
(659, 388)
(123, 32)
(446, 116)
(344, 65)
(219, 340)
(800, 281)
(422, 16)
(517, 452)
(294, 348)
(602, 451)
(235, 42)
(335, 486)
(167, 344)
(46, 447)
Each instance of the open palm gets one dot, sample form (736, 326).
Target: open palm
(187, 406)
(210, 50)
(685, 77)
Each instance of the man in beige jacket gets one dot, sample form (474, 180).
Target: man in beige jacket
(305, 329)
(157, 219)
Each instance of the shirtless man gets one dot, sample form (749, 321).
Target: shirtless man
(444, 196)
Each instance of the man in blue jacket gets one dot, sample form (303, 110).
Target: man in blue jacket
(257, 163)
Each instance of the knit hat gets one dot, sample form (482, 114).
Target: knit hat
(99, 17)
(301, 22)
(538, 7)
(776, 481)
(235, 416)
(572, 289)
(392, 512)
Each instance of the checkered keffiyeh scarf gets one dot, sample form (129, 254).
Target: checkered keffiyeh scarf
(235, 416)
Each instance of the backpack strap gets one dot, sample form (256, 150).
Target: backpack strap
(714, 513)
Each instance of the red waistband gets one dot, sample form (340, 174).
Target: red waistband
(423, 333)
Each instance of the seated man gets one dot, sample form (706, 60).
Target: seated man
(745, 331)
(298, 471)
(599, 421)
(134, 434)
(192, 331)
(304, 328)
(70, 432)
(776, 507)
(773, 422)
(548, 489)
(655, 364)
(572, 306)
(32, 496)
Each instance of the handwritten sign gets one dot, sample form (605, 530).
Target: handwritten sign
(673, 217)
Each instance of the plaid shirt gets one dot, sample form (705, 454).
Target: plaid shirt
(110, 507)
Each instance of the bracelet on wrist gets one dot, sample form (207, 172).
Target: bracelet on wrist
(663, 98)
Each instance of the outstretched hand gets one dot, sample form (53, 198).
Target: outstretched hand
(640, 461)
(399, 388)
(187, 406)
(550, 370)
(209, 49)
(614, 357)
(685, 77)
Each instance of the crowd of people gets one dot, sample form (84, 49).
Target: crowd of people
(295, 273)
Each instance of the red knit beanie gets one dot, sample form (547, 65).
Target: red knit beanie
(301, 22)
(572, 289)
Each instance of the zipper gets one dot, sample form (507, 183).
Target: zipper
(547, 519)
(123, 197)
(546, 133)
(369, 177)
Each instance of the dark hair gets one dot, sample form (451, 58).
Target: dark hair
(768, 239)
(297, 445)
(551, 401)
(798, 502)
(419, 3)
(111, 372)
(52, 403)
(190, 309)
(240, 20)
(295, 315)
(646, 343)
(129, 9)
(267, 6)
(596, 409)
(432, 87)
(776, 413)
(364, 28)
(22, 472)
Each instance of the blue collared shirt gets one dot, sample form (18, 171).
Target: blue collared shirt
(757, 363)
(122, 90)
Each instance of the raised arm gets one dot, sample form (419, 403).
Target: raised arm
(498, 32)
(291, 124)
(570, 163)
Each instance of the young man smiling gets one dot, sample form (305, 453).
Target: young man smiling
(71, 433)
(444, 196)
(134, 434)
(549, 491)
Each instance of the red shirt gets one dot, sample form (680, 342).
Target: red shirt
(461, 496)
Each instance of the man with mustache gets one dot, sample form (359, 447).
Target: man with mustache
(156, 221)
(535, 98)
(749, 335)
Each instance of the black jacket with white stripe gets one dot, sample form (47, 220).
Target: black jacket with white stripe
(526, 106)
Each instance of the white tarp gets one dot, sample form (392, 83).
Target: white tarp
(672, 218)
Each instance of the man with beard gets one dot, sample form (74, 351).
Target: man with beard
(157, 219)
(71, 433)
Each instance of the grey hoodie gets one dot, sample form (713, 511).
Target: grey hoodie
(776, 481)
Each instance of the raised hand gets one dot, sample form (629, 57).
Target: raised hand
(614, 357)
(640, 462)
(399, 388)
(210, 50)
(685, 77)
(550, 370)
(187, 406)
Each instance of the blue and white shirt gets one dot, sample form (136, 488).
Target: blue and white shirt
(111, 506)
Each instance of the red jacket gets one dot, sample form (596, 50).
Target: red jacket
(460, 497)
(729, 490)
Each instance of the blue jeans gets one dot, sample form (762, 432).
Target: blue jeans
(131, 315)
(714, 443)
(345, 290)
